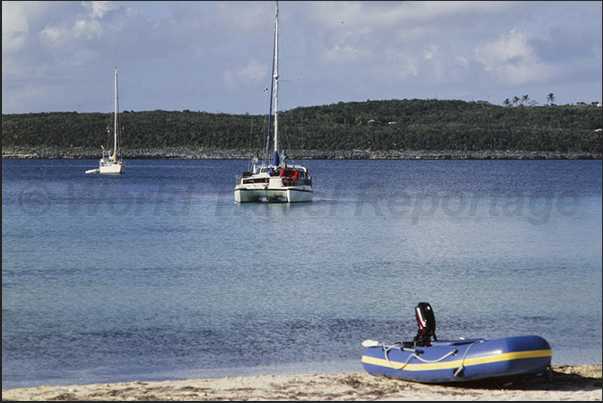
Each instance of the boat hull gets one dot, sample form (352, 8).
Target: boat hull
(461, 360)
(112, 168)
(299, 194)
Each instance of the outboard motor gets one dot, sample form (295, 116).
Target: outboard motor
(427, 325)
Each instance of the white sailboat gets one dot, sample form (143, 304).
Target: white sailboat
(109, 164)
(275, 180)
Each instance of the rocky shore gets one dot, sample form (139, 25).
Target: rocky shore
(185, 153)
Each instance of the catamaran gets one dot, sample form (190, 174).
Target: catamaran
(274, 180)
(109, 164)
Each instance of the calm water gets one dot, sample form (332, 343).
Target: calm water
(158, 274)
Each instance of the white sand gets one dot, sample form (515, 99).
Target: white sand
(567, 383)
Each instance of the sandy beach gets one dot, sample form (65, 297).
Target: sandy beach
(565, 383)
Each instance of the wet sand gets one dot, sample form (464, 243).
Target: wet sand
(564, 383)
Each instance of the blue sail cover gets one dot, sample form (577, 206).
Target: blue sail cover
(275, 159)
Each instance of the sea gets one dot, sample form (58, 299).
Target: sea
(158, 274)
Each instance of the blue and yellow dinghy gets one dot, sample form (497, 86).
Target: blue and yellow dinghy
(431, 361)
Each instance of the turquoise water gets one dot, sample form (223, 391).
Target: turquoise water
(158, 274)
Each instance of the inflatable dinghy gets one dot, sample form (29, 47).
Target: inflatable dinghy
(431, 361)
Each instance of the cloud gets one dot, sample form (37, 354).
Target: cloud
(243, 19)
(99, 8)
(346, 50)
(367, 32)
(461, 61)
(253, 73)
(511, 59)
(89, 28)
(89, 23)
(15, 28)
(402, 64)
(385, 15)
(435, 59)
(330, 52)
(35, 34)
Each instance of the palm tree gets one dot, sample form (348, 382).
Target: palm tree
(506, 102)
(516, 100)
(550, 98)
(525, 99)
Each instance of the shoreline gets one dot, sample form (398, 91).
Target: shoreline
(184, 153)
(566, 382)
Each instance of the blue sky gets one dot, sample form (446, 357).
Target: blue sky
(217, 56)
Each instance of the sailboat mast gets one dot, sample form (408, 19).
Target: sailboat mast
(276, 82)
(115, 122)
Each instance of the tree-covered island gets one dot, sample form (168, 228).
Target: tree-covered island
(402, 129)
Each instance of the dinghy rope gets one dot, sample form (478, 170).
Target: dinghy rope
(459, 371)
(414, 354)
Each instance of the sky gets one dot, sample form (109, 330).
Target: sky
(216, 57)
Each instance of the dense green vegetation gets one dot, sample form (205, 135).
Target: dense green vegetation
(372, 125)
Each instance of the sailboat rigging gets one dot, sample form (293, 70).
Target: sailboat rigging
(109, 163)
(276, 180)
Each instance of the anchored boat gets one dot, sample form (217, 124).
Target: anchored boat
(109, 163)
(431, 361)
(275, 180)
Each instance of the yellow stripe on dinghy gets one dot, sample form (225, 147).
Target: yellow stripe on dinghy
(457, 363)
